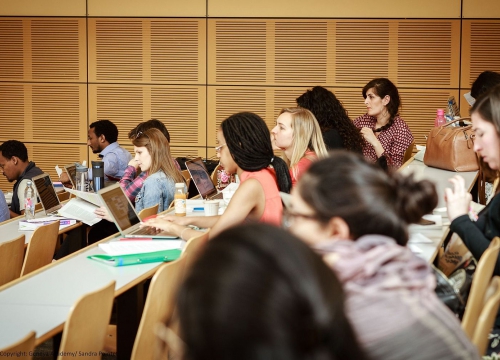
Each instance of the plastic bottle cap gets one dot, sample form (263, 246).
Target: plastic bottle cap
(440, 112)
(179, 185)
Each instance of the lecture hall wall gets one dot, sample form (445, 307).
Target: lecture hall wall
(65, 64)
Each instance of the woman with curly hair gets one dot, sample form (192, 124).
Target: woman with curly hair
(336, 126)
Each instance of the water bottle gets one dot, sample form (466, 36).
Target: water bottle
(180, 199)
(440, 119)
(98, 175)
(82, 178)
(29, 203)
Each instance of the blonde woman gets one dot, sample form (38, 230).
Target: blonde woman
(298, 134)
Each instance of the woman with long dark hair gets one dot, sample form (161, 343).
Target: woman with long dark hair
(244, 149)
(337, 128)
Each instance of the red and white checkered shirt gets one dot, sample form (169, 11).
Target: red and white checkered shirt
(395, 140)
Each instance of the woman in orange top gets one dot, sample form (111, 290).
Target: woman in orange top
(298, 134)
(245, 149)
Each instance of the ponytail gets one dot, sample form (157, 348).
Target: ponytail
(282, 174)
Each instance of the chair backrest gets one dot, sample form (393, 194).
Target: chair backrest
(488, 316)
(144, 213)
(480, 282)
(11, 259)
(160, 304)
(21, 350)
(41, 247)
(408, 152)
(193, 248)
(187, 177)
(85, 328)
(63, 195)
(38, 206)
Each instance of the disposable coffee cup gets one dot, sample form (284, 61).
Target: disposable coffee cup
(211, 207)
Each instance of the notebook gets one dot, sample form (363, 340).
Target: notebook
(47, 194)
(123, 213)
(202, 180)
(71, 171)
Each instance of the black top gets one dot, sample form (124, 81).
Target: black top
(478, 235)
(333, 140)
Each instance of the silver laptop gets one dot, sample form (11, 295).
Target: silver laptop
(202, 180)
(123, 213)
(71, 171)
(47, 194)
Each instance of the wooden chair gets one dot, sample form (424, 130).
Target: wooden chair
(488, 316)
(409, 152)
(85, 328)
(144, 213)
(482, 277)
(187, 177)
(11, 259)
(21, 350)
(38, 206)
(41, 247)
(63, 195)
(193, 248)
(160, 304)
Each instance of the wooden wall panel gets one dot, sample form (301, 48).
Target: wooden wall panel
(182, 109)
(413, 53)
(146, 8)
(480, 50)
(43, 112)
(43, 8)
(481, 9)
(43, 50)
(147, 50)
(335, 8)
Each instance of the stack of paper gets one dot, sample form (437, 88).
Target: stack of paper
(32, 224)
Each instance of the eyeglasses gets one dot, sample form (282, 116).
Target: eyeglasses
(289, 217)
(218, 148)
(168, 343)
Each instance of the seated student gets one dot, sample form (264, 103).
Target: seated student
(483, 83)
(16, 167)
(245, 149)
(297, 133)
(152, 154)
(356, 216)
(386, 134)
(132, 179)
(257, 292)
(338, 130)
(4, 208)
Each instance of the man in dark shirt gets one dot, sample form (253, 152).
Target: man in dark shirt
(16, 167)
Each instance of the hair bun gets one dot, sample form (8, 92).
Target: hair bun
(414, 198)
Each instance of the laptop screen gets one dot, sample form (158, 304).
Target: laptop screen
(119, 206)
(200, 177)
(46, 192)
(71, 170)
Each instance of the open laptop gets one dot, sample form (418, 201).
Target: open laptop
(71, 171)
(123, 213)
(47, 194)
(202, 179)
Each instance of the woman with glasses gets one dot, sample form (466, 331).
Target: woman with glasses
(245, 149)
(386, 134)
(337, 128)
(255, 293)
(298, 135)
(356, 217)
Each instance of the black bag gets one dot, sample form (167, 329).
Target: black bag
(453, 291)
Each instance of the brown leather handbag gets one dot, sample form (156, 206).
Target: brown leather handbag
(451, 148)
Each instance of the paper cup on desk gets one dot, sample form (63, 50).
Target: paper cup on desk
(211, 207)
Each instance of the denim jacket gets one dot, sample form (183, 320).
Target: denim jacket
(156, 189)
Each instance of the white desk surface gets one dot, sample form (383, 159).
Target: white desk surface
(41, 301)
(440, 178)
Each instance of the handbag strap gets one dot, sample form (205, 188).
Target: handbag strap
(457, 120)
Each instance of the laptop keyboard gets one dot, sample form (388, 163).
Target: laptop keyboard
(217, 196)
(149, 230)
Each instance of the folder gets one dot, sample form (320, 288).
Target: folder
(135, 259)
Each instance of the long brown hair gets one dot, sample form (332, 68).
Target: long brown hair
(159, 149)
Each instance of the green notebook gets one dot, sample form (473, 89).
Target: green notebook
(135, 259)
